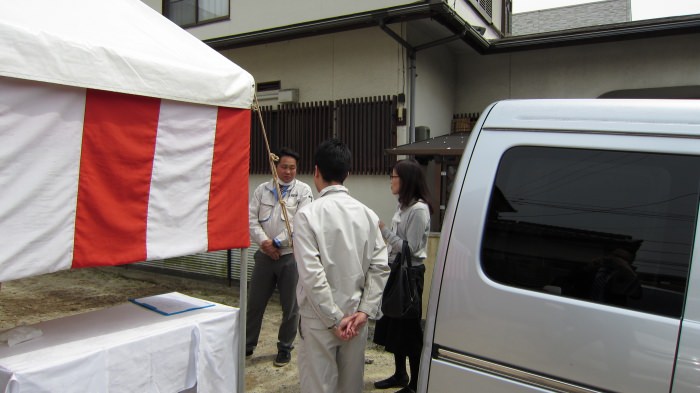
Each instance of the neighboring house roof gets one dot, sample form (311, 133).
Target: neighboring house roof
(571, 17)
(594, 34)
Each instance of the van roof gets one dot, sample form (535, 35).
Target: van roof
(672, 117)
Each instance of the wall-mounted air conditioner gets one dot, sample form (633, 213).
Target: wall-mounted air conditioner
(286, 96)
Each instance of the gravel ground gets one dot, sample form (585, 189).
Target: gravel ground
(60, 294)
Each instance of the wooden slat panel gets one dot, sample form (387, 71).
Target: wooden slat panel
(366, 124)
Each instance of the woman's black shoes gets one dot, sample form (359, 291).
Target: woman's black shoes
(392, 382)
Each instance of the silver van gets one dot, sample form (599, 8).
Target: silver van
(565, 258)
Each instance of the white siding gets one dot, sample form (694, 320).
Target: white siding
(585, 71)
(357, 63)
(255, 15)
(435, 89)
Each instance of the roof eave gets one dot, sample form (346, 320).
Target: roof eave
(442, 14)
(596, 34)
(326, 26)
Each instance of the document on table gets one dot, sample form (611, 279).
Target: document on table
(171, 303)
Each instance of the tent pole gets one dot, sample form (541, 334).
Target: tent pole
(243, 308)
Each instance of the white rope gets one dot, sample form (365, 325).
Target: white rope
(272, 158)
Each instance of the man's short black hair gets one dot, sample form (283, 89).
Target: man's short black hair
(333, 159)
(287, 152)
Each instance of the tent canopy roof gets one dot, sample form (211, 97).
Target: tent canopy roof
(122, 46)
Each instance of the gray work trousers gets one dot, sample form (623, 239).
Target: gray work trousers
(328, 364)
(269, 274)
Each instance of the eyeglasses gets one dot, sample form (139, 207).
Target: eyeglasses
(393, 176)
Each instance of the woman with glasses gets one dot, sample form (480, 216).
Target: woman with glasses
(411, 222)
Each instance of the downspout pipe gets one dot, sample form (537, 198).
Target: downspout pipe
(412, 97)
(412, 50)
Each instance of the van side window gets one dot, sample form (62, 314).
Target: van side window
(609, 227)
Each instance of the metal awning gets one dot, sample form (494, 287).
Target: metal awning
(443, 145)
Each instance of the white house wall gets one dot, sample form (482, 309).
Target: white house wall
(375, 192)
(435, 89)
(352, 64)
(254, 15)
(585, 71)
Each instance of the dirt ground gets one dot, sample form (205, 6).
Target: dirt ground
(56, 295)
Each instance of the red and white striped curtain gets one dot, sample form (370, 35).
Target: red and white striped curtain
(93, 178)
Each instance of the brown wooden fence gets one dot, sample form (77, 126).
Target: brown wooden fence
(367, 125)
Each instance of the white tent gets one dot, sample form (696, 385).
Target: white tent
(123, 138)
(122, 46)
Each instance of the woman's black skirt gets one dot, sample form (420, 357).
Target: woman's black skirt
(402, 336)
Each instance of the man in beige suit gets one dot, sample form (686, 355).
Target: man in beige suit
(342, 263)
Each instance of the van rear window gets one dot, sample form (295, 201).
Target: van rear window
(609, 227)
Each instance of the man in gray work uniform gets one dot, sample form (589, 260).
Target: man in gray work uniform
(274, 260)
(342, 263)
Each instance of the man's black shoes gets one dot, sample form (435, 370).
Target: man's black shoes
(283, 358)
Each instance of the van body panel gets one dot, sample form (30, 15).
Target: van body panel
(672, 117)
(687, 376)
(551, 335)
(590, 345)
(443, 245)
(450, 378)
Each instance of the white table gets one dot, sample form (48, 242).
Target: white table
(127, 349)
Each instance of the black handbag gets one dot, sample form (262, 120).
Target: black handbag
(401, 298)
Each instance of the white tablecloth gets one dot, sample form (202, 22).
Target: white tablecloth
(127, 349)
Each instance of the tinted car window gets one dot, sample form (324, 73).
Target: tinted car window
(609, 227)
